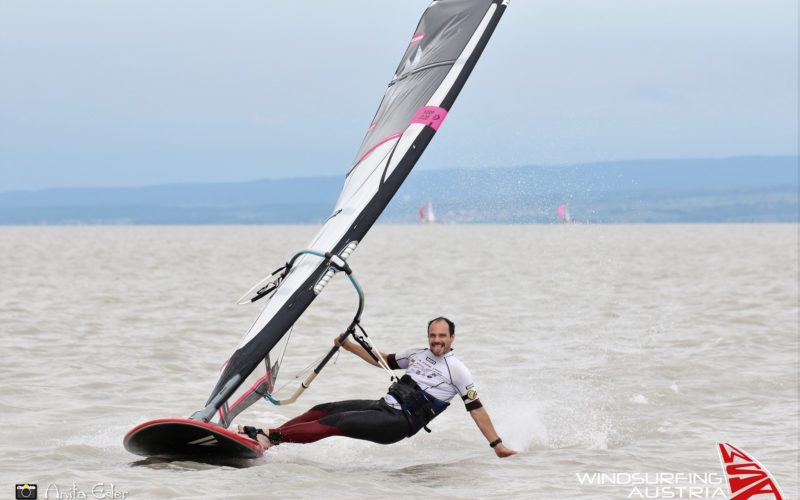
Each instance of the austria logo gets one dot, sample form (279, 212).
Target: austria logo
(746, 477)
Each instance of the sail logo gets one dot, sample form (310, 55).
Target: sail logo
(746, 477)
(431, 116)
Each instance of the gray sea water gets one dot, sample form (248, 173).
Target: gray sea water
(596, 349)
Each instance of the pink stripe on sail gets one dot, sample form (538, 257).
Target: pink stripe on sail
(416, 38)
(251, 390)
(373, 148)
(432, 116)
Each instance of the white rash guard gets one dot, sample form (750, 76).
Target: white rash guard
(440, 376)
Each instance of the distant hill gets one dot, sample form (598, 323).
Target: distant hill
(743, 189)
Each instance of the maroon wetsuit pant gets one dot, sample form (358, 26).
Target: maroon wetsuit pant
(365, 419)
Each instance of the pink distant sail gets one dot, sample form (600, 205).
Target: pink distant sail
(426, 213)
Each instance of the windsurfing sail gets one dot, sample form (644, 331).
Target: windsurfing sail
(440, 56)
(426, 215)
(563, 213)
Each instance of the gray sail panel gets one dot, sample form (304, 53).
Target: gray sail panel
(440, 38)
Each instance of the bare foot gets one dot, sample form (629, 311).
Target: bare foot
(263, 441)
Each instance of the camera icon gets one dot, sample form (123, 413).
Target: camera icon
(26, 491)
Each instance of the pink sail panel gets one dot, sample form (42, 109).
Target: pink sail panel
(432, 116)
(562, 211)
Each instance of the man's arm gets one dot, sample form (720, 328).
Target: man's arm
(359, 351)
(484, 423)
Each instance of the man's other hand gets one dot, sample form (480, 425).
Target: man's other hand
(503, 451)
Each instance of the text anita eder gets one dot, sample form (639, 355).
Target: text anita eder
(97, 490)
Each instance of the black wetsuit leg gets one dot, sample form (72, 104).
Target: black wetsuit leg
(373, 421)
(370, 420)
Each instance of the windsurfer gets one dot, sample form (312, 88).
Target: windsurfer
(433, 376)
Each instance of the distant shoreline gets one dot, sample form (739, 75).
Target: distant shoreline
(754, 189)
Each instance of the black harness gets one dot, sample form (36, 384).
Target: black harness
(418, 406)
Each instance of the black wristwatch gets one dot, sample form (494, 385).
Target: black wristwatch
(495, 442)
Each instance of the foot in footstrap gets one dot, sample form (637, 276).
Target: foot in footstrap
(264, 439)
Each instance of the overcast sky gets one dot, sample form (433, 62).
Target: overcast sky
(124, 92)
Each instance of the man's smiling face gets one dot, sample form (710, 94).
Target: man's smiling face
(439, 338)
